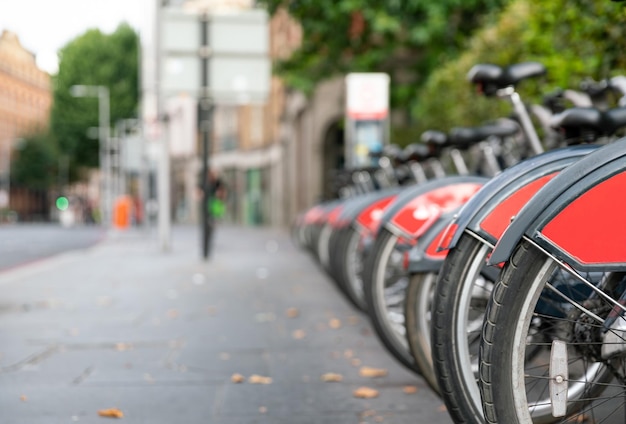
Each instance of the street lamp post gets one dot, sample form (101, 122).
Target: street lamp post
(102, 93)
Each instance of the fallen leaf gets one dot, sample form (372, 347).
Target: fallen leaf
(334, 323)
(372, 372)
(355, 362)
(23, 398)
(353, 320)
(237, 378)
(331, 377)
(442, 408)
(365, 393)
(120, 347)
(292, 313)
(409, 390)
(259, 379)
(111, 413)
(368, 413)
(263, 409)
(172, 313)
(348, 354)
(298, 334)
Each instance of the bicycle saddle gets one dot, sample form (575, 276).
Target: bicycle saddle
(464, 137)
(490, 78)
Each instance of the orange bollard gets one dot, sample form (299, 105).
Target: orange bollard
(122, 212)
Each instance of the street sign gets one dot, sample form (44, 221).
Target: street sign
(367, 118)
(239, 68)
(367, 96)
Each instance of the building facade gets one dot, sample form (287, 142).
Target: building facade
(25, 101)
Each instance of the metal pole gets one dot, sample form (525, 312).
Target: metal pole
(163, 171)
(104, 119)
(206, 115)
(164, 214)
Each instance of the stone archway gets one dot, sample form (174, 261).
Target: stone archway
(333, 157)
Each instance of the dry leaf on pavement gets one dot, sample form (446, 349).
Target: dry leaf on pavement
(298, 334)
(353, 320)
(263, 409)
(365, 393)
(111, 413)
(259, 379)
(372, 372)
(120, 347)
(23, 398)
(331, 377)
(409, 390)
(334, 323)
(237, 378)
(367, 413)
(292, 312)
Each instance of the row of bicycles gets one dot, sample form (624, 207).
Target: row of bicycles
(491, 260)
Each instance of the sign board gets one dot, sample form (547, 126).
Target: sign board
(367, 96)
(367, 118)
(239, 66)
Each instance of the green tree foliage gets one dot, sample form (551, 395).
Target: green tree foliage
(404, 38)
(94, 58)
(574, 39)
(34, 162)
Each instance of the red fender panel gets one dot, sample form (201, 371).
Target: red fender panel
(592, 228)
(500, 217)
(417, 215)
(370, 217)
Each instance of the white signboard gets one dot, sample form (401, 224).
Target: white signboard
(367, 96)
(239, 66)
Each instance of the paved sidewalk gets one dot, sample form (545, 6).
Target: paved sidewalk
(159, 336)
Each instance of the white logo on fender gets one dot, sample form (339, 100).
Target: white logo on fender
(423, 212)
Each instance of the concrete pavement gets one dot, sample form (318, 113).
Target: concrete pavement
(159, 336)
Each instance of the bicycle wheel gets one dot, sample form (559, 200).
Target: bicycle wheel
(347, 265)
(553, 347)
(417, 315)
(460, 299)
(385, 279)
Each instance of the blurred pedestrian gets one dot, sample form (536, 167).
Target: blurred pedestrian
(217, 195)
(214, 208)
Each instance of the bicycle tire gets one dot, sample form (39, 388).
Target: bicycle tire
(417, 313)
(386, 324)
(507, 382)
(455, 360)
(347, 266)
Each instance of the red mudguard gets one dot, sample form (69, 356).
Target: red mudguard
(578, 216)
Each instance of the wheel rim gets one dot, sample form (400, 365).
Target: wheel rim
(355, 270)
(587, 376)
(389, 297)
